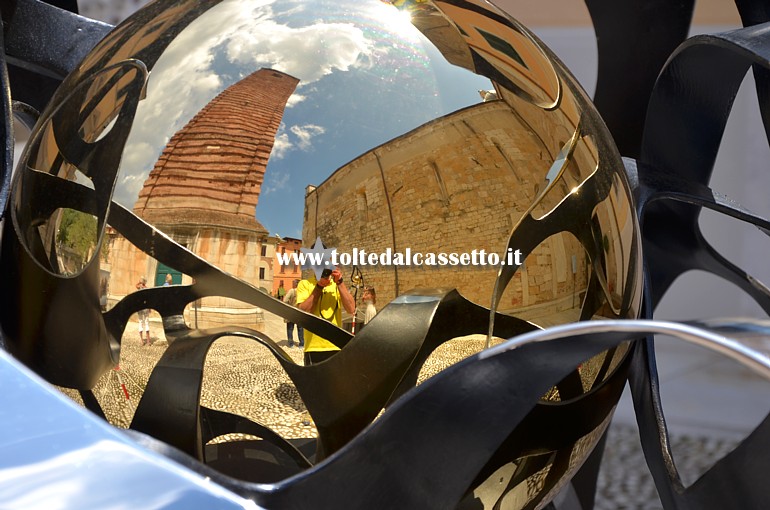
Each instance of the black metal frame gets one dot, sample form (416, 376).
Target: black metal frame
(653, 121)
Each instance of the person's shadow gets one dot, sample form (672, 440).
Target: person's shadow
(288, 395)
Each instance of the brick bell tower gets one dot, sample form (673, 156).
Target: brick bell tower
(211, 171)
(203, 192)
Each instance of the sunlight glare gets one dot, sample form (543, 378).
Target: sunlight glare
(395, 20)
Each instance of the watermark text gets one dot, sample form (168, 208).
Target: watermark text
(388, 257)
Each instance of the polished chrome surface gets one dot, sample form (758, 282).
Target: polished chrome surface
(428, 127)
(436, 129)
(743, 340)
(54, 454)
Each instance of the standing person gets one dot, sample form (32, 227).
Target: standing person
(103, 289)
(169, 280)
(291, 299)
(323, 298)
(281, 292)
(370, 300)
(144, 316)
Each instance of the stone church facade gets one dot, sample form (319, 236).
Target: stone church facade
(458, 183)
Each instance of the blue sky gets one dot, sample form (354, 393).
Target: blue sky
(366, 76)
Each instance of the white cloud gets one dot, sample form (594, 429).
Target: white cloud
(141, 155)
(305, 134)
(281, 146)
(248, 35)
(295, 99)
(300, 138)
(275, 183)
(333, 46)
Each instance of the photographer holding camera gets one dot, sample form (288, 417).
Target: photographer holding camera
(323, 298)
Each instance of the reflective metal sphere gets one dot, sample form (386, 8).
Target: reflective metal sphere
(433, 144)
(420, 136)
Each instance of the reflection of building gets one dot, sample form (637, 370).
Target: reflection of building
(204, 188)
(490, 46)
(448, 184)
(458, 183)
(286, 273)
(267, 250)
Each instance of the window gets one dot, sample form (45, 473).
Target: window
(264, 250)
(502, 46)
(362, 206)
(261, 273)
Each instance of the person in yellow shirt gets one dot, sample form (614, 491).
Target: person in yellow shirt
(323, 298)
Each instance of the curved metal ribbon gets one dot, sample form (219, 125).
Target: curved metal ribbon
(6, 132)
(500, 386)
(620, 28)
(697, 87)
(345, 393)
(686, 119)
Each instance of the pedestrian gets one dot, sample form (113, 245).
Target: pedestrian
(144, 316)
(323, 298)
(291, 299)
(370, 300)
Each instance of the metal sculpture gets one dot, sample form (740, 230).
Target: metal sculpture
(673, 179)
(487, 415)
(675, 159)
(390, 473)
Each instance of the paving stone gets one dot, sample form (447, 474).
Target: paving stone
(243, 377)
(624, 480)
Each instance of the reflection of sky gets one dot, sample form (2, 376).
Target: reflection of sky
(56, 455)
(366, 76)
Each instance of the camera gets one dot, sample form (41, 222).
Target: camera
(326, 273)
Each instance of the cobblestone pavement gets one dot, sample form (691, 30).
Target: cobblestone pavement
(243, 377)
(624, 480)
(240, 376)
